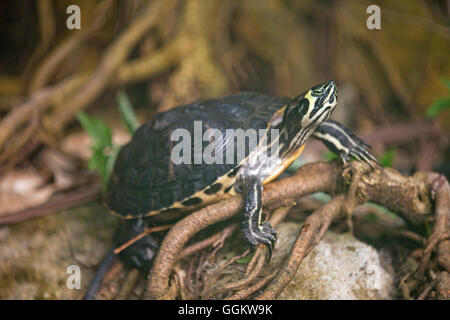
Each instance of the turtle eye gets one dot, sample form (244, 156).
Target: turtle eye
(317, 92)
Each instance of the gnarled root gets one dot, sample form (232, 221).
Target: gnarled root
(410, 197)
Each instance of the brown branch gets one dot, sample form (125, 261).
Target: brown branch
(259, 251)
(110, 276)
(57, 203)
(427, 290)
(115, 55)
(142, 68)
(79, 90)
(129, 284)
(402, 132)
(237, 284)
(364, 188)
(38, 103)
(443, 285)
(208, 241)
(257, 263)
(21, 138)
(68, 47)
(440, 191)
(408, 196)
(306, 239)
(440, 238)
(47, 26)
(442, 213)
(146, 232)
(214, 292)
(309, 179)
(244, 293)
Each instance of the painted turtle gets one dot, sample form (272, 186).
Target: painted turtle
(149, 178)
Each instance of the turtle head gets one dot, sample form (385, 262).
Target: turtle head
(307, 111)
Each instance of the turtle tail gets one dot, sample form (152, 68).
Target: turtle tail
(138, 255)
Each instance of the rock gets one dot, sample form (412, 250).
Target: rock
(443, 286)
(35, 255)
(339, 267)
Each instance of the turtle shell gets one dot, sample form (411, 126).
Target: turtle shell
(146, 181)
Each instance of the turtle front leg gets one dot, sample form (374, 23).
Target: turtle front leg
(343, 142)
(253, 229)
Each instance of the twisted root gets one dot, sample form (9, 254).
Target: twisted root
(354, 185)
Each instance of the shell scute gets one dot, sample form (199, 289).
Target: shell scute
(145, 179)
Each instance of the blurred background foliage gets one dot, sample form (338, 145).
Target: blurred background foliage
(154, 55)
(393, 82)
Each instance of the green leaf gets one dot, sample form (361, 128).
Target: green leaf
(110, 164)
(246, 259)
(428, 228)
(103, 152)
(98, 162)
(127, 112)
(329, 156)
(446, 82)
(388, 157)
(383, 210)
(295, 165)
(437, 106)
(96, 129)
(371, 217)
(321, 196)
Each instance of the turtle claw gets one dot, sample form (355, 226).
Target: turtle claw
(359, 150)
(345, 143)
(361, 154)
(264, 234)
(270, 237)
(344, 157)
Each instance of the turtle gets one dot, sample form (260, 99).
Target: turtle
(154, 175)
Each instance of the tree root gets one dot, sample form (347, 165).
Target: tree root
(238, 284)
(54, 106)
(115, 55)
(57, 203)
(311, 233)
(256, 264)
(76, 91)
(440, 239)
(246, 292)
(354, 185)
(213, 240)
(310, 179)
(48, 68)
(129, 284)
